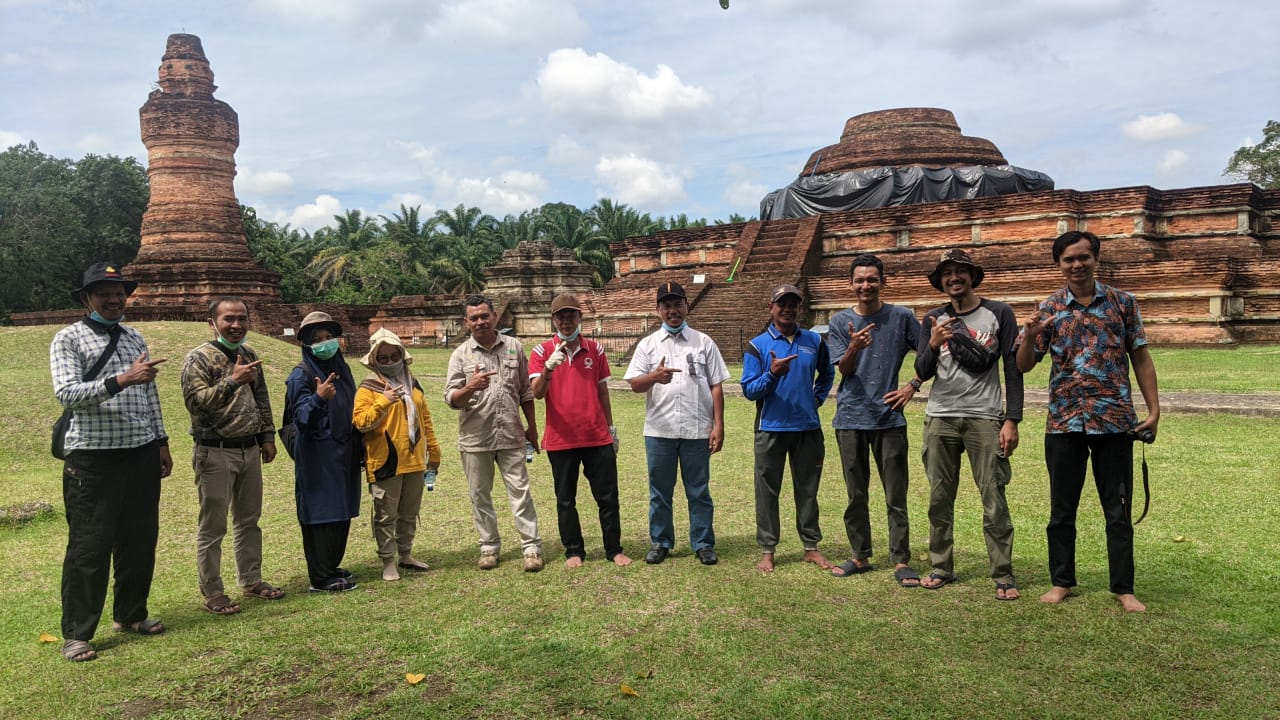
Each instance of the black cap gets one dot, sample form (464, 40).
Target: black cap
(102, 272)
(670, 289)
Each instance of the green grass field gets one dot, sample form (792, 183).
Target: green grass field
(690, 641)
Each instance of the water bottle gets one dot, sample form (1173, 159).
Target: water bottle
(528, 452)
(429, 477)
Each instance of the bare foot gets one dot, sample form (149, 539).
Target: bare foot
(389, 572)
(621, 560)
(573, 562)
(815, 557)
(1131, 603)
(766, 563)
(1056, 595)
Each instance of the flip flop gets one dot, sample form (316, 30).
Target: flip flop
(903, 574)
(942, 580)
(849, 568)
(142, 627)
(1005, 588)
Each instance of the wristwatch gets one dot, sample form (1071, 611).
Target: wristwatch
(915, 384)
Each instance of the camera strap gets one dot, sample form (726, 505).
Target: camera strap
(1146, 487)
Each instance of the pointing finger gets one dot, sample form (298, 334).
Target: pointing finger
(154, 363)
(789, 358)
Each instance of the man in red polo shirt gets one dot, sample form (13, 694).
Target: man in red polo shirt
(571, 373)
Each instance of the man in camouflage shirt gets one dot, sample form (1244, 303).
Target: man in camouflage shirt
(233, 435)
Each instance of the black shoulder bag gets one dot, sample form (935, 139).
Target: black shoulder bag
(64, 421)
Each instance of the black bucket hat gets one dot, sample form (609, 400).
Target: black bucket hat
(960, 257)
(102, 272)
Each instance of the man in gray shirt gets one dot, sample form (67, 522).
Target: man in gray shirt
(961, 347)
(867, 344)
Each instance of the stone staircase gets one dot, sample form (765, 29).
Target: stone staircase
(734, 312)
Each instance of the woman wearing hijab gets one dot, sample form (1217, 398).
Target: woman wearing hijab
(327, 451)
(400, 446)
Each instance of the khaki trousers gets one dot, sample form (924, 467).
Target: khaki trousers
(228, 479)
(396, 502)
(478, 467)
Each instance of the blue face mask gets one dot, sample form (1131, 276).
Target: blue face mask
(570, 338)
(676, 330)
(228, 344)
(325, 349)
(94, 316)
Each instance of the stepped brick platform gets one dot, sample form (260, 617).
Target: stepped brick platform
(1204, 262)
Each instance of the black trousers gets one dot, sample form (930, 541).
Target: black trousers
(600, 465)
(1066, 455)
(324, 545)
(112, 500)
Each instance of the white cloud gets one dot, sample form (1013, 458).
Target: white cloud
(509, 192)
(564, 150)
(518, 23)
(94, 143)
(1173, 164)
(1157, 128)
(596, 89)
(964, 25)
(313, 215)
(409, 200)
(639, 181)
(745, 195)
(531, 23)
(9, 139)
(267, 182)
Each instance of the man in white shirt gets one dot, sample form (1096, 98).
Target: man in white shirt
(681, 372)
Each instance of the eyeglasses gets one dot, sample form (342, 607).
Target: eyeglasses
(388, 359)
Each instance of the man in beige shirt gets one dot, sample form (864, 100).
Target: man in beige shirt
(488, 383)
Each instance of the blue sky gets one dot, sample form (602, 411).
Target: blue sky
(670, 106)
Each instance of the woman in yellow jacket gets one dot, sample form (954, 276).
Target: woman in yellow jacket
(400, 447)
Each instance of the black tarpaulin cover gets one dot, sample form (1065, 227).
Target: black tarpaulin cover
(886, 186)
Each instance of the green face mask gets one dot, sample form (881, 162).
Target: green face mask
(325, 350)
(228, 344)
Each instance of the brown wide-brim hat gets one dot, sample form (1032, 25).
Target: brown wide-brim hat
(314, 321)
(99, 273)
(959, 257)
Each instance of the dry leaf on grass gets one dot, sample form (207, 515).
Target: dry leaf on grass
(47, 638)
(414, 678)
(629, 691)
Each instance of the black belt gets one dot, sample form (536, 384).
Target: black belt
(231, 443)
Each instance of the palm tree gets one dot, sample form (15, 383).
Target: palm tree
(618, 222)
(355, 232)
(570, 228)
(515, 229)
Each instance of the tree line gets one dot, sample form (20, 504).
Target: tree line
(57, 215)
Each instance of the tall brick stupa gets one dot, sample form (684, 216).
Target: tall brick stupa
(193, 243)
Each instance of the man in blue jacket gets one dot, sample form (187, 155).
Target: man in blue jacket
(787, 372)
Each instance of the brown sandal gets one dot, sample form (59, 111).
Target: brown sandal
(78, 651)
(264, 590)
(221, 605)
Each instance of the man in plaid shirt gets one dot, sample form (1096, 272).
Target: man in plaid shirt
(116, 453)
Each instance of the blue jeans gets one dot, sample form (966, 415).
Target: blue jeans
(694, 458)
